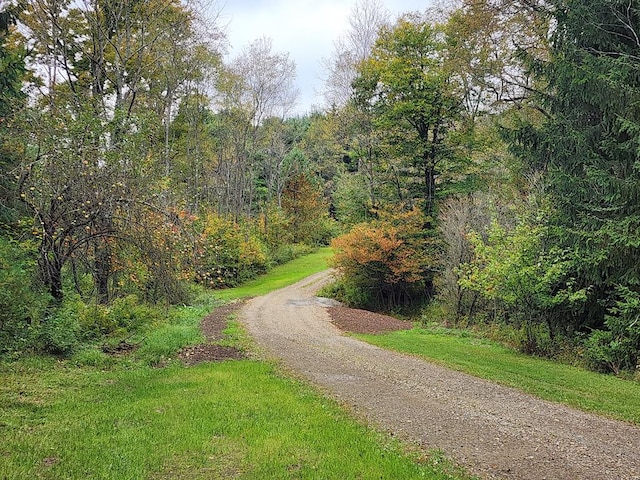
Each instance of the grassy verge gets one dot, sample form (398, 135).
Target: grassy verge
(281, 276)
(116, 417)
(233, 419)
(589, 391)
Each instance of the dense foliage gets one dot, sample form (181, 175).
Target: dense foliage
(484, 158)
(126, 177)
(387, 262)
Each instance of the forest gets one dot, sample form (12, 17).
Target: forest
(476, 164)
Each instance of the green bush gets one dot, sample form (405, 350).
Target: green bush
(128, 313)
(227, 253)
(123, 316)
(22, 305)
(60, 332)
(617, 349)
(347, 293)
(287, 252)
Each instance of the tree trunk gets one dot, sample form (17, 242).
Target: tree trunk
(102, 271)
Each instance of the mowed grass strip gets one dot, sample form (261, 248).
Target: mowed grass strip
(573, 386)
(281, 276)
(238, 419)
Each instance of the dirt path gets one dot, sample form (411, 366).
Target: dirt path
(496, 432)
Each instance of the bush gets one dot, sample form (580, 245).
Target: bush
(60, 332)
(227, 253)
(22, 305)
(347, 293)
(123, 316)
(387, 263)
(618, 348)
(287, 252)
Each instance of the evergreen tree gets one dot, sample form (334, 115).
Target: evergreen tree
(590, 146)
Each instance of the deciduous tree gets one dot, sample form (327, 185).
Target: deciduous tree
(405, 86)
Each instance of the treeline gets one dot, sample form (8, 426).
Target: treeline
(481, 159)
(136, 162)
(492, 169)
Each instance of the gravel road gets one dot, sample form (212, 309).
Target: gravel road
(496, 432)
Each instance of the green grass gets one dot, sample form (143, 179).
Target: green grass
(573, 386)
(95, 416)
(281, 276)
(238, 419)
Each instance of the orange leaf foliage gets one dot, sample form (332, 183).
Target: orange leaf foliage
(385, 253)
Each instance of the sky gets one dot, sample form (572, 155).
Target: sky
(306, 29)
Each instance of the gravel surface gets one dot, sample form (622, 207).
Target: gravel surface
(496, 432)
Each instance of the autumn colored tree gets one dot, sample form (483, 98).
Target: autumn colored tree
(386, 263)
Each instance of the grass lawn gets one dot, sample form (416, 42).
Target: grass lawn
(576, 387)
(281, 276)
(237, 419)
(95, 416)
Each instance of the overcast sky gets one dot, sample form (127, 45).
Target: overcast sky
(306, 29)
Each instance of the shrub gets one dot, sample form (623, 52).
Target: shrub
(60, 332)
(227, 253)
(617, 348)
(387, 263)
(22, 305)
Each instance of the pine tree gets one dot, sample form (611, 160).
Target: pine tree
(589, 145)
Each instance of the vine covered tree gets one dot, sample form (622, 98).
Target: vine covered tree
(12, 98)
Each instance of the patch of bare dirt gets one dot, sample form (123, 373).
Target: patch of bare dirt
(212, 327)
(122, 348)
(362, 321)
(209, 353)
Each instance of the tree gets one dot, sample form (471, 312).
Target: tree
(303, 203)
(385, 263)
(257, 90)
(485, 40)
(365, 21)
(12, 99)
(110, 75)
(589, 143)
(409, 92)
(267, 87)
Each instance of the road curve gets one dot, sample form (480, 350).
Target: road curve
(496, 432)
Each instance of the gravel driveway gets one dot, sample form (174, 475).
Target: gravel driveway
(496, 432)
